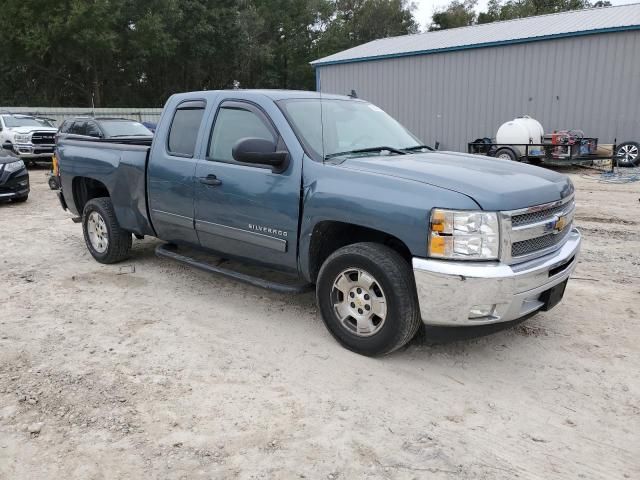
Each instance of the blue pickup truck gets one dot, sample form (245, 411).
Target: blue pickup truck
(332, 192)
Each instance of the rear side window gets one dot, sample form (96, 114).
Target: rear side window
(184, 128)
(233, 124)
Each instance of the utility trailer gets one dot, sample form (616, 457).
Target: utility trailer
(523, 139)
(539, 153)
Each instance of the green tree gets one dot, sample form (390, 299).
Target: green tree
(456, 14)
(511, 9)
(353, 22)
(139, 52)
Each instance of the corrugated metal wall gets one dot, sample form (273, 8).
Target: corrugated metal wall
(590, 82)
(139, 114)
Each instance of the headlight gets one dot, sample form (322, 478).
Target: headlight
(22, 138)
(464, 235)
(14, 166)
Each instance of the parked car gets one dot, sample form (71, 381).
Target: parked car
(14, 179)
(27, 137)
(151, 126)
(336, 193)
(102, 127)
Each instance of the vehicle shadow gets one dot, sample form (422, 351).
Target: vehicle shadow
(432, 336)
(427, 336)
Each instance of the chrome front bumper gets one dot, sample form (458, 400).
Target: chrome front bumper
(31, 151)
(448, 290)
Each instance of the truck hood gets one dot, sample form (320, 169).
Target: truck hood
(31, 129)
(492, 183)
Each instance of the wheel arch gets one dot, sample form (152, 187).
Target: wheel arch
(85, 189)
(327, 236)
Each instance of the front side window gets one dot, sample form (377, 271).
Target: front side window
(79, 128)
(184, 129)
(332, 126)
(93, 130)
(66, 126)
(232, 124)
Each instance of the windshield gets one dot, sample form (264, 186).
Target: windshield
(11, 121)
(45, 122)
(346, 125)
(124, 128)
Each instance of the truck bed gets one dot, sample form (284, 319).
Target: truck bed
(118, 164)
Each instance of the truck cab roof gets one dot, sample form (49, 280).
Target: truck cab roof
(274, 95)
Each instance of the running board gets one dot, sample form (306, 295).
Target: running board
(169, 251)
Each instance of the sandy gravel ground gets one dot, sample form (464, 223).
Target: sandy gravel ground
(150, 369)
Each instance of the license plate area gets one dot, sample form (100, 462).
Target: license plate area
(553, 296)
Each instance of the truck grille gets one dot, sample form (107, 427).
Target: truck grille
(533, 217)
(43, 138)
(538, 230)
(525, 247)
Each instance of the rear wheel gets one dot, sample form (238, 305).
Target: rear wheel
(106, 241)
(367, 298)
(53, 183)
(628, 154)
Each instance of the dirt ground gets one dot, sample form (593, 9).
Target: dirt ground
(150, 369)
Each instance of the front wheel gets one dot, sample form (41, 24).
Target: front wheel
(367, 298)
(106, 241)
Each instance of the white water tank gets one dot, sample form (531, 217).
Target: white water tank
(521, 130)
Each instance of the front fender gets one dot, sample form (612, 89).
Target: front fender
(392, 205)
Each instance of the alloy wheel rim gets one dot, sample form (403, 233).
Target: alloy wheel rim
(629, 153)
(97, 230)
(359, 302)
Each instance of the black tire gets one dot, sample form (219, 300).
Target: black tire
(395, 279)
(21, 199)
(118, 240)
(628, 154)
(506, 154)
(53, 183)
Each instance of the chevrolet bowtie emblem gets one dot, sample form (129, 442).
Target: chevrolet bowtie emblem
(557, 225)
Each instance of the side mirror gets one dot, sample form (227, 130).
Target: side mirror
(7, 146)
(260, 151)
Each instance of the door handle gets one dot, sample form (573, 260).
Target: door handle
(211, 180)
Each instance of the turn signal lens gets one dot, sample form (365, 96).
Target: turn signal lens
(438, 245)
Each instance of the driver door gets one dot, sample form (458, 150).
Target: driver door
(246, 210)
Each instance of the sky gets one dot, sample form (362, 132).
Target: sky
(424, 8)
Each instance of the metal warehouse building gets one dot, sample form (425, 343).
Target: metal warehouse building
(568, 70)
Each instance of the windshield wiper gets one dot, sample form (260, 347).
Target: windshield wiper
(418, 147)
(366, 150)
(131, 135)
